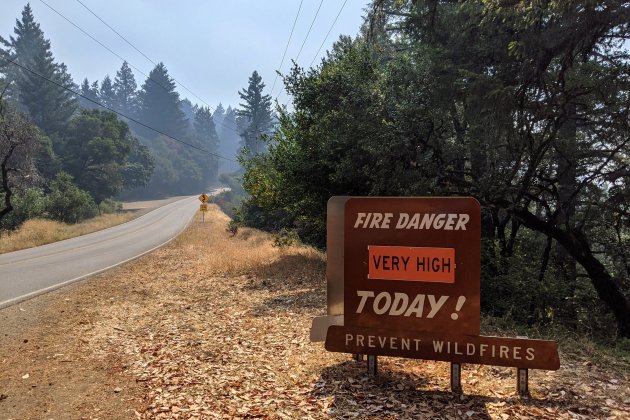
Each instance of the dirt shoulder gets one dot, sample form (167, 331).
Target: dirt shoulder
(214, 326)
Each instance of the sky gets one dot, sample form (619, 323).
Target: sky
(209, 46)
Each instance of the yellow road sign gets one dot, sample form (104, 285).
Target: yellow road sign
(203, 207)
(203, 198)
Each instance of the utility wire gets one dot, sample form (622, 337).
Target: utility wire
(102, 45)
(114, 111)
(127, 61)
(327, 34)
(309, 30)
(285, 48)
(305, 38)
(143, 54)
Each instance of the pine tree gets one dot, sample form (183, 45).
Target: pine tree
(205, 128)
(106, 94)
(207, 136)
(219, 115)
(50, 106)
(160, 104)
(125, 87)
(228, 139)
(90, 91)
(256, 112)
(21, 48)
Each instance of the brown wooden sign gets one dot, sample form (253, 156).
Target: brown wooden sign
(403, 280)
(451, 347)
(412, 264)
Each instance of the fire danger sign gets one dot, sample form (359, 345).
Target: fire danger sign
(412, 264)
(403, 279)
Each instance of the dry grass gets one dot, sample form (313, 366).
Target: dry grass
(215, 326)
(250, 252)
(38, 232)
(226, 336)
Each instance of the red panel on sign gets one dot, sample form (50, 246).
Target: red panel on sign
(411, 263)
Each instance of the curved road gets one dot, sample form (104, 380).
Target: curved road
(30, 272)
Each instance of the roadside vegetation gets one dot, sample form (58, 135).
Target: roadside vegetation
(64, 156)
(36, 232)
(524, 108)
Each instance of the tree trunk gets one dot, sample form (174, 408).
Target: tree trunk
(576, 244)
(4, 172)
(567, 184)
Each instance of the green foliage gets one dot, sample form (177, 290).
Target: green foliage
(89, 91)
(68, 203)
(206, 136)
(125, 95)
(526, 110)
(139, 166)
(285, 238)
(106, 95)
(256, 113)
(232, 227)
(28, 204)
(159, 105)
(18, 153)
(108, 206)
(96, 150)
(49, 106)
(230, 200)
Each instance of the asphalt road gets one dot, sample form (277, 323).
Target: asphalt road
(30, 272)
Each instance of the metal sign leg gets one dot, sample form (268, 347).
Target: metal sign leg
(456, 378)
(358, 357)
(522, 382)
(372, 365)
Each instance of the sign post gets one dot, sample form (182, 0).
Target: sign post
(404, 281)
(203, 208)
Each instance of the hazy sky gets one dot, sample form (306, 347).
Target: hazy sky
(210, 46)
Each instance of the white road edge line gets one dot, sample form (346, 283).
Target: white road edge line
(48, 289)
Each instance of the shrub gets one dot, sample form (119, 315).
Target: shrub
(109, 206)
(68, 203)
(285, 238)
(27, 204)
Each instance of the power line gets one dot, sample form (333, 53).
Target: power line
(328, 33)
(305, 38)
(143, 54)
(102, 45)
(309, 30)
(127, 61)
(114, 111)
(286, 47)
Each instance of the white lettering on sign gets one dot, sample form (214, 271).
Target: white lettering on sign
(442, 347)
(437, 221)
(383, 303)
(500, 352)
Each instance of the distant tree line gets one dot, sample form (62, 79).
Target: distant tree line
(522, 105)
(57, 144)
(58, 159)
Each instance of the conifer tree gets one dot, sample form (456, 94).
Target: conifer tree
(50, 106)
(106, 94)
(90, 91)
(207, 136)
(21, 48)
(218, 115)
(125, 91)
(228, 138)
(256, 112)
(205, 128)
(160, 104)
